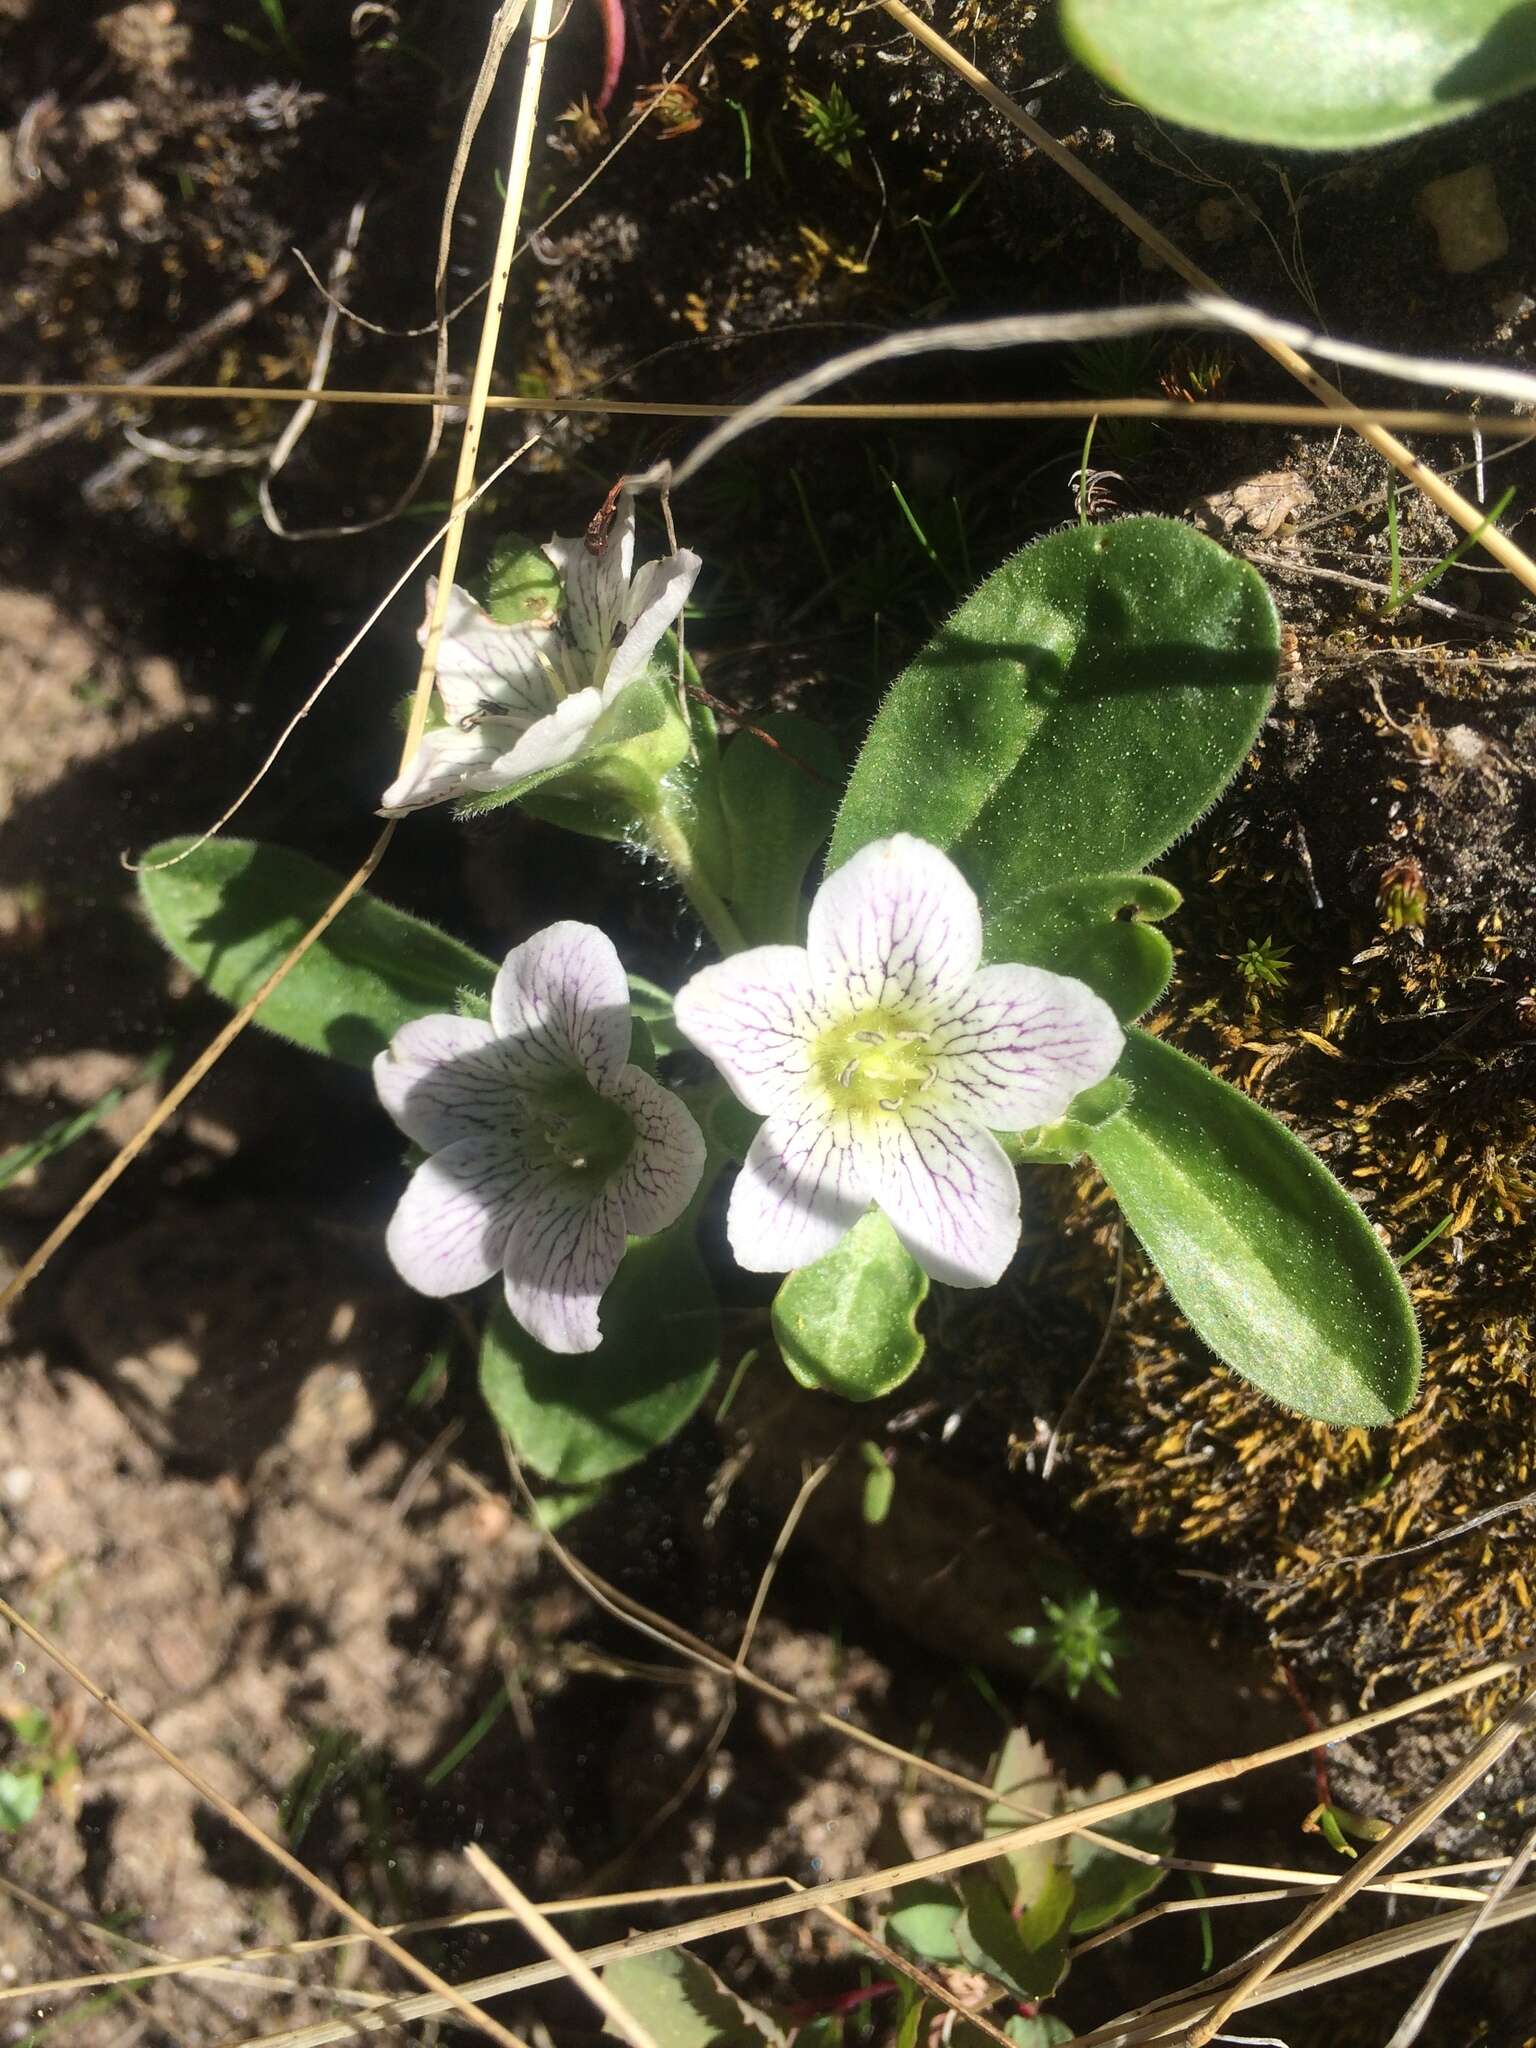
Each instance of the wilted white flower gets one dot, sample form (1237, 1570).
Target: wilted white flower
(883, 1056)
(546, 1148)
(519, 698)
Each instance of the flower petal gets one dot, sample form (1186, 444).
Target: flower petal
(448, 763)
(445, 1078)
(801, 1190)
(555, 739)
(1020, 1042)
(950, 1192)
(561, 1003)
(657, 1181)
(564, 1248)
(656, 599)
(754, 1015)
(482, 665)
(596, 586)
(450, 1229)
(895, 927)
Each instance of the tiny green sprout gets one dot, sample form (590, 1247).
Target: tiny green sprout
(1083, 1639)
(1333, 1823)
(830, 125)
(1401, 897)
(1263, 964)
(879, 1485)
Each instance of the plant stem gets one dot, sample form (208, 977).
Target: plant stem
(669, 841)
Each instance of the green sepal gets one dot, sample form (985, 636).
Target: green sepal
(1076, 714)
(848, 1323)
(1271, 1261)
(617, 777)
(1064, 1143)
(520, 585)
(1307, 74)
(778, 801)
(234, 909)
(1098, 930)
(576, 1420)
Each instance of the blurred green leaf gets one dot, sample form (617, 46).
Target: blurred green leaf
(1307, 74)
(779, 801)
(922, 1919)
(576, 1420)
(681, 2003)
(21, 1794)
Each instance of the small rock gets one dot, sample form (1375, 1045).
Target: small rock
(1468, 222)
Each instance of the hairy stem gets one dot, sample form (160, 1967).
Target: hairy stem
(668, 840)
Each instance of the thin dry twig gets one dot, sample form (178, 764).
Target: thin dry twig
(1270, 335)
(146, 381)
(284, 1858)
(1411, 2025)
(1515, 1724)
(555, 1945)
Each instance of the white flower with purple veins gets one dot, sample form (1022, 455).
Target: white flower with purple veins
(882, 1056)
(547, 1149)
(523, 697)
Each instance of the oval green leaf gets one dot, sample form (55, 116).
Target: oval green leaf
(576, 1420)
(235, 908)
(1099, 931)
(779, 785)
(1307, 74)
(1268, 1257)
(1074, 716)
(848, 1324)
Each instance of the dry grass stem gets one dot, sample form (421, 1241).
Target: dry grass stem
(1482, 1760)
(227, 1809)
(1411, 2024)
(540, 20)
(555, 1945)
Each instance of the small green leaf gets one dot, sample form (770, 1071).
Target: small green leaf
(1027, 1956)
(1075, 715)
(1098, 930)
(1107, 1885)
(1307, 74)
(1268, 1257)
(21, 1793)
(232, 910)
(681, 2003)
(576, 1420)
(848, 1323)
(922, 1919)
(1064, 1142)
(910, 2030)
(779, 801)
(653, 1007)
(1025, 1773)
(1036, 2030)
(879, 1485)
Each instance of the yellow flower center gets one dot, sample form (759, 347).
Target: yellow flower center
(583, 1134)
(873, 1062)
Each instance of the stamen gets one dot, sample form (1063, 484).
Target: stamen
(911, 1037)
(890, 1102)
(870, 1037)
(845, 1078)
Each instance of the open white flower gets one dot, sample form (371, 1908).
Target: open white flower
(547, 1149)
(883, 1056)
(525, 697)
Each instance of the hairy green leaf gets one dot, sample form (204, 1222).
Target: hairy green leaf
(1271, 1261)
(1075, 715)
(1027, 1956)
(922, 1919)
(1099, 930)
(1107, 1885)
(848, 1323)
(232, 910)
(779, 795)
(575, 1420)
(1307, 74)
